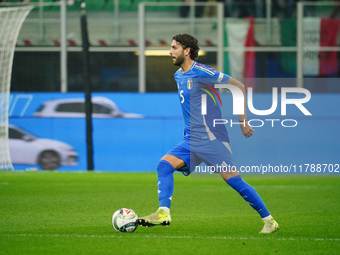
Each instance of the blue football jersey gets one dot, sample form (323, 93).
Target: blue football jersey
(198, 81)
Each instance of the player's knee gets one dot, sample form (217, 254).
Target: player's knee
(226, 175)
(164, 168)
(176, 162)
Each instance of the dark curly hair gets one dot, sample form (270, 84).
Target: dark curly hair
(188, 41)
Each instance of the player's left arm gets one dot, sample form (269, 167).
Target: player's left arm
(247, 130)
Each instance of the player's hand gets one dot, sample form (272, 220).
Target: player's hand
(247, 130)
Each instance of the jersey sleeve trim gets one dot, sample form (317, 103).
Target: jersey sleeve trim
(205, 69)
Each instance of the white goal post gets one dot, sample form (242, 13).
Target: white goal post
(11, 20)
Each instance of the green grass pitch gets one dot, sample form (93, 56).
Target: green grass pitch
(70, 213)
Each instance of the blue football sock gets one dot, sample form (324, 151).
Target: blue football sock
(165, 183)
(249, 194)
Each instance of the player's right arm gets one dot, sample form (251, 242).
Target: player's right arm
(247, 130)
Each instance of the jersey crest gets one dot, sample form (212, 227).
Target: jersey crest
(189, 85)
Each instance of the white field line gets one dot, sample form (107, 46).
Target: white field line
(131, 235)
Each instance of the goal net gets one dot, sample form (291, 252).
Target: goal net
(11, 19)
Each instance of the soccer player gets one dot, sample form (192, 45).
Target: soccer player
(203, 141)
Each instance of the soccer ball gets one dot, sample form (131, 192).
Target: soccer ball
(124, 220)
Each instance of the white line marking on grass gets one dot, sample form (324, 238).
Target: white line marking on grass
(129, 235)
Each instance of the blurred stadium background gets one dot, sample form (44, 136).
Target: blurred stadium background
(258, 39)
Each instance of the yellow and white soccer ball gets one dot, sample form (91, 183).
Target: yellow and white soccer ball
(124, 220)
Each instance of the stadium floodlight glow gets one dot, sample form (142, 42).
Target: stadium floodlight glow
(153, 53)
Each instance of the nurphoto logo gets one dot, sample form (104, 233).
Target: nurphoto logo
(239, 103)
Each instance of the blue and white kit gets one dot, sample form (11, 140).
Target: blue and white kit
(202, 141)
